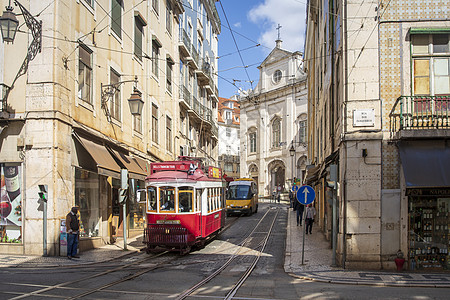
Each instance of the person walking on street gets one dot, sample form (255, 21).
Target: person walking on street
(309, 218)
(299, 208)
(72, 227)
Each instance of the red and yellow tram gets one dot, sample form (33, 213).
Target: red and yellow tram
(185, 204)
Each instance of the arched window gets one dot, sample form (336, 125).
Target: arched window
(276, 133)
(252, 140)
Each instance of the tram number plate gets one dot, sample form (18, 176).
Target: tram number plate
(168, 222)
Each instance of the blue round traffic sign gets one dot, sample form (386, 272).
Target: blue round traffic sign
(306, 195)
(295, 188)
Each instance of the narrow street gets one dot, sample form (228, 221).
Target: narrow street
(169, 275)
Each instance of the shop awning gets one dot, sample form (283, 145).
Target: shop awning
(134, 169)
(106, 165)
(312, 174)
(425, 164)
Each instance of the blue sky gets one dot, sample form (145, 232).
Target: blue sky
(254, 22)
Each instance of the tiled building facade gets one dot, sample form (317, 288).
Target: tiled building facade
(379, 80)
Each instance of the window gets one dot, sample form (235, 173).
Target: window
(167, 198)
(90, 2)
(302, 131)
(115, 99)
(228, 115)
(277, 76)
(154, 123)
(168, 134)
(228, 149)
(86, 198)
(276, 130)
(169, 66)
(138, 36)
(155, 6)
(431, 64)
(151, 194)
(137, 123)
(155, 57)
(85, 74)
(185, 199)
(252, 137)
(228, 132)
(168, 17)
(228, 167)
(116, 17)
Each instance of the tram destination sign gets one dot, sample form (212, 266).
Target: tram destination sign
(428, 192)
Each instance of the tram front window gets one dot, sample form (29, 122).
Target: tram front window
(185, 196)
(167, 198)
(151, 198)
(239, 192)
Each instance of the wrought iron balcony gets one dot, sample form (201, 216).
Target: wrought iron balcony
(4, 90)
(185, 96)
(185, 43)
(420, 112)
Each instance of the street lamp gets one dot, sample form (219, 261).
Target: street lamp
(292, 150)
(9, 24)
(135, 101)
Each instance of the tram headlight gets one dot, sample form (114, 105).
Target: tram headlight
(246, 206)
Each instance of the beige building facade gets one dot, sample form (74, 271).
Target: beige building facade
(378, 86)
(66, 123)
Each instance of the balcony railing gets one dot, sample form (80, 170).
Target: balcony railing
(4, 89)
(195, 55)
(186, 40)
(185, 95)
(420, 112)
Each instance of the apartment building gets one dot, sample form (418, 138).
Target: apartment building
(198, 92)
(378, 127)
(229, 135)
(66, 124)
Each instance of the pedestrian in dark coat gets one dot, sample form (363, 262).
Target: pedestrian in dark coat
(309, 218)
(72, 229)
(299, 208)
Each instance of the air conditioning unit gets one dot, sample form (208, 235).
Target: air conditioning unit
(185, 150)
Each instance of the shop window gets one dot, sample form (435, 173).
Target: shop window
(429, 236)
(87, 199)
(185, 198)
(11, 204)
(167, 198)
(136, 210)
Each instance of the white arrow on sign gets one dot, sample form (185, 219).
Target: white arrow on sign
(305, 191)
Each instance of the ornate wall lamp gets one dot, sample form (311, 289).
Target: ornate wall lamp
(9, 24)
(135, 101)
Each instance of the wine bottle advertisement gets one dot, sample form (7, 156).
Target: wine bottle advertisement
(10, 203)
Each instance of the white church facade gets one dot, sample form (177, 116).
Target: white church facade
(273, 123)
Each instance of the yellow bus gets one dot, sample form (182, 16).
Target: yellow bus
(242, 197)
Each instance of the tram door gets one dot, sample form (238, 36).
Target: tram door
(198, 204)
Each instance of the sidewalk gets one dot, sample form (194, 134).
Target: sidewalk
(102, 254)
(317, 264)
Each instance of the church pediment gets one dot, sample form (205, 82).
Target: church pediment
(276, 55)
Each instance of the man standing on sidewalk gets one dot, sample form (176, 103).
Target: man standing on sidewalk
(309, 218)
(72, 227)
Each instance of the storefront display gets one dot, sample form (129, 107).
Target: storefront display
(10, 204)
(429, 233)
(88, 200)
(136, 210)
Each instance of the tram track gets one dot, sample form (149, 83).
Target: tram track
(103, 273)
(239, 251)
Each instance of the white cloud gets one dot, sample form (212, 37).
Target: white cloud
(237, 25)
(289, 14)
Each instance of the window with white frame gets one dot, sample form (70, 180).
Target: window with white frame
(116, 17)
(155, 5)
(228, 132)
(114, 108)
(155, 57)
(228, 150)
(252, 142)
(138, 36)
(276, 133)
(168, 134)
(228, 115)
(302, 131)
(431, 64)
(168, 17)
(169, 67)
(85, 74)
(154, 123)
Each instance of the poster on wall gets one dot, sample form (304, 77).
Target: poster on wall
(10, 204)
